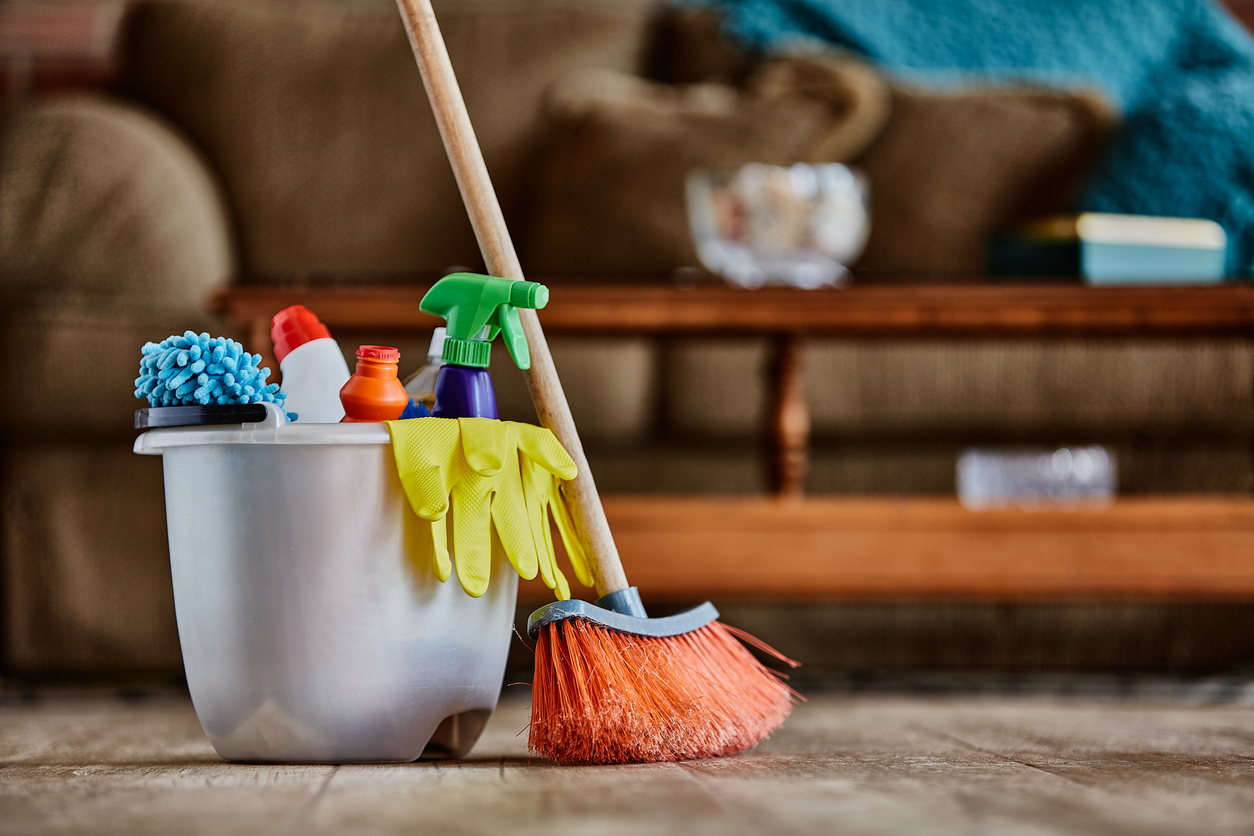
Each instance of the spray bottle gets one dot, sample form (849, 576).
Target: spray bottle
(477, 308)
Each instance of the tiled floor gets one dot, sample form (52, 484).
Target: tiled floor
(859, 765)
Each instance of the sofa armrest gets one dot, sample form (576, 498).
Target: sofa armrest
(112, 232)
(103, 199)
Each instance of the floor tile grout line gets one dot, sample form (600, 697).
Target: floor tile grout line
(974, 748)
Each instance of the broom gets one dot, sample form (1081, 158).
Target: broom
(611, 685)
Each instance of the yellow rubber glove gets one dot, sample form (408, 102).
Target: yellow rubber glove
(486, 485)
(424, 449)
(543, 461)
(474, 467)
(544, 498)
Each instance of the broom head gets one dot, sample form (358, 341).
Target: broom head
(605, 696)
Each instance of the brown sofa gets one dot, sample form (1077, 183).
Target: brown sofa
(278, 141)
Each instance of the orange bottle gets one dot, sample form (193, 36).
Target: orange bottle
(374, 392)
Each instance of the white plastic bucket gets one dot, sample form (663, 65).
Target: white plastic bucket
(311, 630)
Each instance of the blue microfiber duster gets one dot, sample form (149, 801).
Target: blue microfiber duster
(199, 369)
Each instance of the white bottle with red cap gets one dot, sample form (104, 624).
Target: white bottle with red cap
(313, 367)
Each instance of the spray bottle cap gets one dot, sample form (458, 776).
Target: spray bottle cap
(476, 309)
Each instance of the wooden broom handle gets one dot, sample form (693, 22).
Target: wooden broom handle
(501, 260)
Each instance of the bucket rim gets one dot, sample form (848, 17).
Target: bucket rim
(271, 431)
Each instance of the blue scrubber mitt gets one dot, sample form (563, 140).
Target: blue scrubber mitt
(199, 369)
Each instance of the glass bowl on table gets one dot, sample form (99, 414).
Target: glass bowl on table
(797, 226)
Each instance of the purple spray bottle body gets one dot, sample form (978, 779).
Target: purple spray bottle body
(464, 392)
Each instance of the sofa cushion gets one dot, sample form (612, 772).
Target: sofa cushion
(69, 362)
(1065, 389)
(86, 570)
(892, 415)
(680, 468)
(716, 389)
(610, 383)
(927, 388)
(607, 190)
(954, 166)
(314, 115)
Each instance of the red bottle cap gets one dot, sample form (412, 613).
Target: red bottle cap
(294, 326)
(378, 352)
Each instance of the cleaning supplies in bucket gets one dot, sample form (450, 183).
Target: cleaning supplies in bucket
(319, 625)
(312, 365)
(312, 628)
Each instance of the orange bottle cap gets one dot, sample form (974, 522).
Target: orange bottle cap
(378, 352)
(374, 393)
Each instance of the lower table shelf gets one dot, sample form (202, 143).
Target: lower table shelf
(697, 547)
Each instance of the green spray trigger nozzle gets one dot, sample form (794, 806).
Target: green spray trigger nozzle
(471, 303)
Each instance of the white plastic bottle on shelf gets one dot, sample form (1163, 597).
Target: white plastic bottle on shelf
(313, 367)
(421, 384)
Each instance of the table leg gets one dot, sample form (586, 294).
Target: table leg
(789, 429)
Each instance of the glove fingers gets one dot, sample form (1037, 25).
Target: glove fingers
(486, 444)
(541, 490)
(544, 545)
(424, 450)
(440, 561)
(553, 575)
(535, 516)
(542, 447)
(426, 544)
(472, 542)
(509, 515)
(495, 488)
(554, 579)
(570, 539)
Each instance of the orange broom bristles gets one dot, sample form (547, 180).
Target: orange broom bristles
(602, 696)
